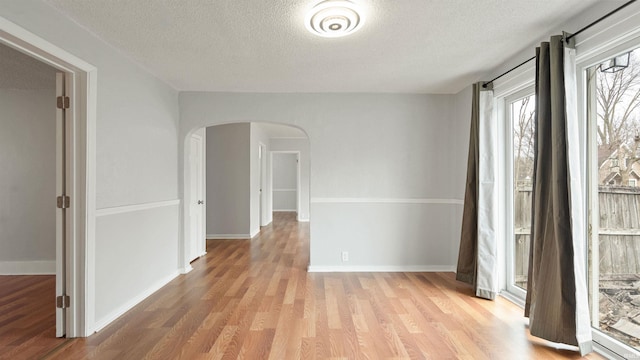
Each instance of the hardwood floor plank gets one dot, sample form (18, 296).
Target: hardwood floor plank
(27, 316)
(253, 299)
(222, 342)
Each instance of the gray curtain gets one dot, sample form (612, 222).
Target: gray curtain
(468, 253)
(477, 263)
(556, 301)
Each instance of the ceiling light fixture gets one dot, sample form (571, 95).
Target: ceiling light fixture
(334, 18)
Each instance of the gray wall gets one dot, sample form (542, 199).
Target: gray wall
(301, 145)
(237, 152)
(27, 180)
(137, 112)
(228, 203)
(379, 161)
(136, 164)
(459, 128)
(285, 181)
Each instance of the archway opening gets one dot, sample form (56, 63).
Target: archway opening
(248, 172)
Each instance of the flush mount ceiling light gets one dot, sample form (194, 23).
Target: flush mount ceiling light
(334, 18)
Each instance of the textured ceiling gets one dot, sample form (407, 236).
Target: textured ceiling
(406, 46)
(19, 71)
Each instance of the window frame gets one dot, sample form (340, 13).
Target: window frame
(507, 88)
(603, 343)
(617, 32)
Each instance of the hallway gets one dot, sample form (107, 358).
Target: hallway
(253, 299)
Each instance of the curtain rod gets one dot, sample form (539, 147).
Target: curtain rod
(567, 39)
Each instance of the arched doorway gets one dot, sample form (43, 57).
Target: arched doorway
(238, 194)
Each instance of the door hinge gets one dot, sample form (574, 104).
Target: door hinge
(63, 301)
(63, 102)
(63, 202)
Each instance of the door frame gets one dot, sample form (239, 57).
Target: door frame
(80, 171)
(62, 134)
(297, 153)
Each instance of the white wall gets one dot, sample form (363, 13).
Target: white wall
(136, 163)
(131, 235)
(302, 146)
(378, 161)
(28, 180)
(228, 181)
(285, 181)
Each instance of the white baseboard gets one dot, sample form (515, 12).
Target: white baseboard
(187, 269)
(229, 236)
(198, 257)
(100, 324)
(28, 267)
(284, 210)
(303, 220)
(410, 268)
(233, 236)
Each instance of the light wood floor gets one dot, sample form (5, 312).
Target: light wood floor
(255, 300)
(27, 316)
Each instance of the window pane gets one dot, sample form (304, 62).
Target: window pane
(615, 101)
(522, 115)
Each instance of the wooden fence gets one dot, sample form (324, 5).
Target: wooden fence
(619, 233)
(522, 227)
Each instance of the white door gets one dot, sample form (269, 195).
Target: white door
(298, 185)
(62, 200)
(262, 159)
(196, 218)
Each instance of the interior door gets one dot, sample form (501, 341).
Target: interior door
(297, 185)
(198, 243)
(62, 202)
(261, 205)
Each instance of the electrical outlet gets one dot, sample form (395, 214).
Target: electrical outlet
(345, 256)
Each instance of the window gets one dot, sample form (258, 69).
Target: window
(520, 111)
(614, 198)
(609, 148)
